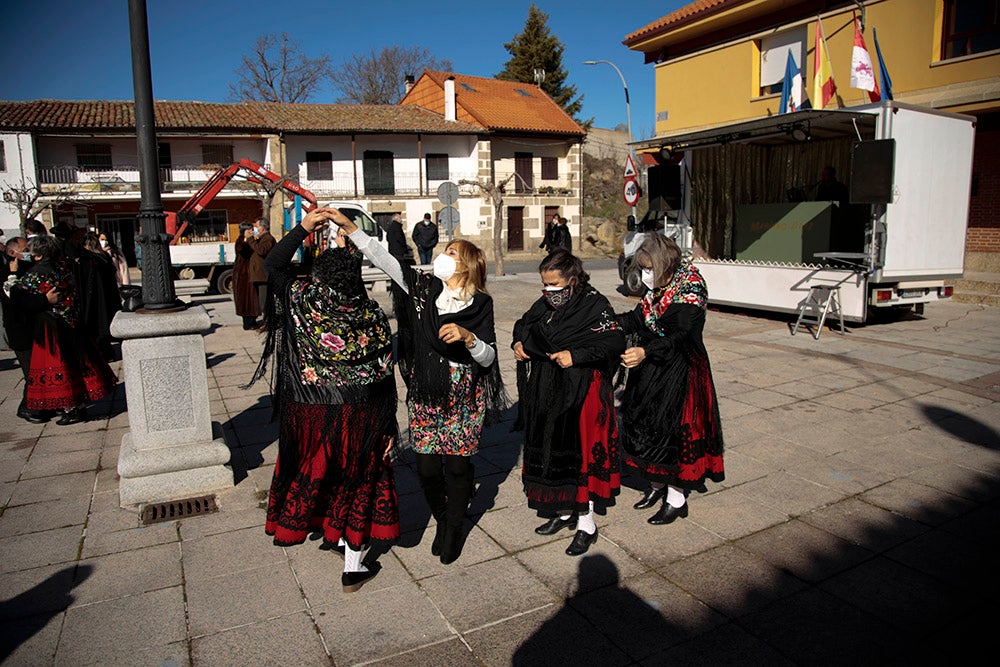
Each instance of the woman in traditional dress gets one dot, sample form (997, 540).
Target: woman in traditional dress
(567, 344)
(244, 295)
(671, 433)
(67, 371)
(335, 397)
(448, 359)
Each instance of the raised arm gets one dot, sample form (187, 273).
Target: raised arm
(378, 255)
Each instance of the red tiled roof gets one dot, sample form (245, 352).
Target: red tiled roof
(691, 12)
(112, 116)
(501, 105)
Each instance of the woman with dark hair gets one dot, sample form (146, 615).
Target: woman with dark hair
(117, 258)
(671, 434)
(244, 295)
(335, 397)
(566, 345)
(448, 359)
(98, 292)
(66, 370)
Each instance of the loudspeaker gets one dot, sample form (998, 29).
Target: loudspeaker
(871, 171)
(664, 185)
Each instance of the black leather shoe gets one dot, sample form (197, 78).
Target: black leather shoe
(650, 498)
(439, 533)
(667, 514)
(555, 524)
(74, 416)
(581, 543)
(353, 581)
(32, 417)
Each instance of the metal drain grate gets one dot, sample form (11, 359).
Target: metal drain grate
(178, 509)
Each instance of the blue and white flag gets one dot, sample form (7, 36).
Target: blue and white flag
(886, 81)
(791, 89)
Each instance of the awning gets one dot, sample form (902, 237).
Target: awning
(784, 128)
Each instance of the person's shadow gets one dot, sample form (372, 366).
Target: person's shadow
(568, 634)
(24, 615)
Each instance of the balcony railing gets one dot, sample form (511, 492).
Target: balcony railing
(539, 186)
(401, 184)
(122, 178)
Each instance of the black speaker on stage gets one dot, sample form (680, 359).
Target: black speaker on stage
(664, 187)
(871, 171)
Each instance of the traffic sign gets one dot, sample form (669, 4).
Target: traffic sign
(630, 170)
(631, 192)
(448, 219)
(448, 193)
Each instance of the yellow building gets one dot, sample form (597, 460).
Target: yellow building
(722, 61)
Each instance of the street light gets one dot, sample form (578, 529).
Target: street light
(628, 107)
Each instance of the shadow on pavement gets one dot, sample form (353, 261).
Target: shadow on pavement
(25, 614)
(963, 427)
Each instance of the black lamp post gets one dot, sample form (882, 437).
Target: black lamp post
(157, 276)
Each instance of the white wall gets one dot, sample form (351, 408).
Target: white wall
(19, 158)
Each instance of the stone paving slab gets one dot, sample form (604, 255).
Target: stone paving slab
(863, 488)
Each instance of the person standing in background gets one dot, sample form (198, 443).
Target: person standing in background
(425, 237)
(244, 294)
(396, 240)
(561, 238)
(261, 242)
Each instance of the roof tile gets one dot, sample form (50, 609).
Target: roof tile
(686, 13)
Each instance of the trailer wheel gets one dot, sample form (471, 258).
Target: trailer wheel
(633, 281)
(224, 283)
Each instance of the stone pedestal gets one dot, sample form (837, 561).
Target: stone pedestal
(172, 450)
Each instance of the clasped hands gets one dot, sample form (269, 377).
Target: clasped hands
(563, 358)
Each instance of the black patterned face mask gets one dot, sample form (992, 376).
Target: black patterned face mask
(558, 298)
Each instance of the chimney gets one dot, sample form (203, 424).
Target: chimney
(408, 83)
(449, 99)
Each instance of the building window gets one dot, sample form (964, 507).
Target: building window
(379, 177)
(774, 52)
(219, 155)
(437, 166)
(3, 157)
(550, 169)
(970, 26)
(319, 165)
(524, 181)
(93, 157)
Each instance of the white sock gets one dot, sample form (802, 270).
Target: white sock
(566, 517)
(675, 497)
(341, 542)
(586, 521)
(352, 560)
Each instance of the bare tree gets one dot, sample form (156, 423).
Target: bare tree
(29, 200)
(277, 70)
(494, 193)
(377, 77)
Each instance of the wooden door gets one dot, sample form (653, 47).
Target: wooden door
(515, 228)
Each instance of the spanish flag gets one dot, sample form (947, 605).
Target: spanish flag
(823, 85)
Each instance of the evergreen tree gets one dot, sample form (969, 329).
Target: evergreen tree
(537, 49)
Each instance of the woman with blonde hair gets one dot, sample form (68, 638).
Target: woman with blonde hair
(446, 350)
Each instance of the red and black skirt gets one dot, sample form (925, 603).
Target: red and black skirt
(337, 488)
(66, 373)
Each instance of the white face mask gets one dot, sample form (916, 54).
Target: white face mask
(104, 243)
(647, 278)
(444, 266)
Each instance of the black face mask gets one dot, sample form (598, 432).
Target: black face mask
(558, 298)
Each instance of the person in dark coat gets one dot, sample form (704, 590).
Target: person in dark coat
(546, 243)
(19, 313)
(425, 237)
(97, 292)
(261, 242)
(396, 240)
(671, 432)
(244, 294)
(561, 238)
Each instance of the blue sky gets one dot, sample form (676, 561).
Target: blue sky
(79, 49)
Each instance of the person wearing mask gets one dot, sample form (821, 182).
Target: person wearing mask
(561, 237)
(671, 432)
(261, 242)
(425, 237)
(566, 346)
(66, 370)
(19, 313)
(546, 243)
(117, 258)
(33, 228)
(335, 397)
(244, 293)
(98, 294)
(446, 345)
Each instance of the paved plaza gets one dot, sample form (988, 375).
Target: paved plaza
(856, 525)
